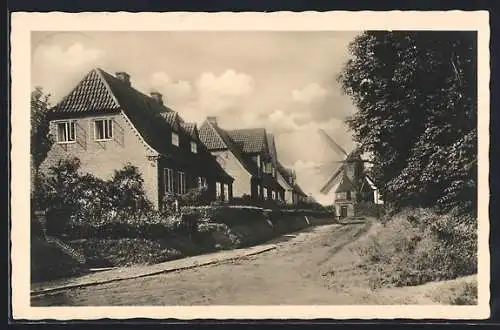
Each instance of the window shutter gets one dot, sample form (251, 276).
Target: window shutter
(81, 135)
(118, 133)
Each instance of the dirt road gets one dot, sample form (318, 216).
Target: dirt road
(290, 274)
(318, 266)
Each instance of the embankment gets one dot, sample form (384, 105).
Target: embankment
(217, 228)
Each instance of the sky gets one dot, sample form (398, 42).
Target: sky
(283, 81)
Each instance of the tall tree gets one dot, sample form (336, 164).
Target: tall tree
(417, 114)
(41, 141)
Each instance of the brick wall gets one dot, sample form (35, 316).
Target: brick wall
(103, 158)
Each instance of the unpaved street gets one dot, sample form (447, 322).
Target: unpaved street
(290, 274)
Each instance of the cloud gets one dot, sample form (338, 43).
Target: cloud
(228, 83)
(224, 94)
(59, 69)
(309, 93)
(279, 122)
(75, 55)
(170, 89)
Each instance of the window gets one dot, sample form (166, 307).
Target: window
(194, 147)
(226, 192)
(274, 194)
(175, 139)
(265, 192)
(103, 129)
(169, 180)
(202, 182)
(181, 182)
(258, 190)
(218, 188)
(348, 195)
(268, 168)
(66, 132)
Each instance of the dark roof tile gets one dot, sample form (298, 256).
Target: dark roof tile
(215, 138)
(99, 91)
(252, 140)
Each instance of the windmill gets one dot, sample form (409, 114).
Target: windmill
(350, 175)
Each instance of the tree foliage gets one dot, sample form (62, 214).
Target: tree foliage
(41, 141)
(416, 95)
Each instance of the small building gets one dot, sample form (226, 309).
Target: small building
(345, 197)
(107, 124)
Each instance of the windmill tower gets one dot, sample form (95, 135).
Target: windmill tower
(349, 180)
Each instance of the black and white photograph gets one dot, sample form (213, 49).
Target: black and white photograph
(339, 168)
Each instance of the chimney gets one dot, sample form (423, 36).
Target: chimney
(212, 120)
(157, 97)
(123, 76)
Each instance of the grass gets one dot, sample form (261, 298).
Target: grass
(419, 246)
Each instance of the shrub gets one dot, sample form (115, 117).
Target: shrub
(245, 200)
(125, 251)
(115, 225)
(368, 209)
(417, 246)
(227, 214)
(196, 197)
(127, 190)
(70, 197)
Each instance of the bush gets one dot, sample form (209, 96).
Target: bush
(108, 252)
(417, 246)
(69, 196)
(368, 209)
(196, 197)
(245, 200)
(115, 225)
(227, 214)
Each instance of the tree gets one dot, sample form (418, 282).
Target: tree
(41, 141)
(417, 114)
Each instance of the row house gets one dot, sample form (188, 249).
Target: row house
(286, 177)
(107, 124)
(246, 156)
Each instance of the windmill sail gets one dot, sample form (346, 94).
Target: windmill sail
(332, 143)
(329, 184)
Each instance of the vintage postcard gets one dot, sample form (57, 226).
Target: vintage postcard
(250, 165)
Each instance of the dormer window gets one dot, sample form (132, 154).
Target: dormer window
(103, 129)
(194, 147)
(175, 139)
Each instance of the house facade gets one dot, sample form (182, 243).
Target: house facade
(353, 187)
(243, 154)
(107, 124)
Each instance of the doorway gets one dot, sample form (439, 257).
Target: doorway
(343, 211)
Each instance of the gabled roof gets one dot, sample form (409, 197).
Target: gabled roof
(211, 137)
(345, 184)
(172, 118)
(286, 172)
(216, 138)
(190, 129)
(91, 94)
(285, 179)
(101, 92)
(272, 149)
(251, 140)
(299, 190)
